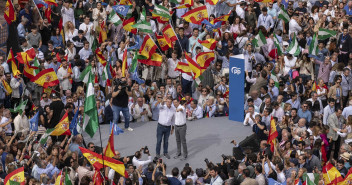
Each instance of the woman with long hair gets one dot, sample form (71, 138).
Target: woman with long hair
(79, 13)
(250, 17)
(70, 31)
(99, 13)
(57, 39)
(70, 51)
(237, 27)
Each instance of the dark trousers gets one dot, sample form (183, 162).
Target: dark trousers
(334, 146)
(162, 132)
(344, 58)
(180, 133)
(186, 86)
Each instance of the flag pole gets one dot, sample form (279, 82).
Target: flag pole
(176, 35)
(155, 44)
(38, 9)
(101, 145)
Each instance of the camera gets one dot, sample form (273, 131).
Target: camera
(206, 161)
(145, 149)
(160, 160)
(187, 165)
(224, 157)
(123, 84)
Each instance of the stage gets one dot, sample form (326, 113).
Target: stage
(206, 138)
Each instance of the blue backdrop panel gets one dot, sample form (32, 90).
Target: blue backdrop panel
(236, 71)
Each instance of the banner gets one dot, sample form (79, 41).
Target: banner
(236, 88)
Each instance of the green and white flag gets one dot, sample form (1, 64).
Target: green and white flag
(161, 11)
(142, 24)
(325, 33)
(278, 45)
(294, 49)
(134, 63)
(36, 64)
(90, 118)
(259, 40)
(284, 16)
(45, 136)
(313, 47)
(114, 18)
(274, 77)
(85, 74)
(20, 108)
(67, 179)
(198, 80)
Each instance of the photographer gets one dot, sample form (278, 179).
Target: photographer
(120, 102)
(137, 162)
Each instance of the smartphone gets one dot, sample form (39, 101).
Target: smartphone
(160, 160)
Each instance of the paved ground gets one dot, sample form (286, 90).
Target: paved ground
(206, 138)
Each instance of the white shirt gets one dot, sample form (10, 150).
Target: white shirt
(289, 64)
(137, 162)
(171, 68)
(8, 127)
(294, 27)
(6, 67)
(266, 21)
(65, 83)
(180, 116)
(84, 27)
(347, 111)
(21, 124)
(197, 112)
(250, 121)
(85, 53)
(166, 115)
(69, 35)
(240, 12)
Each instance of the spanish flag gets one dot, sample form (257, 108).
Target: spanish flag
(185, 4)
(125, 2)
(348, 177)
(102, 33)
(47, 13)
(110, 149)
(196, 69)
(9, 13)
(331, 175)
(314, 86)
(63, 127)
(169, 33)
(7, 87)
(223, 18)
(204, 59)
(51, 2)
(155, 60)
(100, 56)
(97, 179)
(97, 161)
(209, 43)
(25, 57)
(164, 45)
(183, 68)
(15, 71)
(29, 71)
(148, 47)
(127, 25)
(10, 57)
(212, 2)
(16, 176)
(161, 20)
(197, 15)
(272, 134)
(59, 179)
(46, 78)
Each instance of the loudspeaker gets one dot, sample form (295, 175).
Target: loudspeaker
(250, 142)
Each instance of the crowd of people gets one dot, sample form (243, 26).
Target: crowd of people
(305, 94)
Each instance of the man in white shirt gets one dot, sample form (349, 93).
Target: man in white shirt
(85, 52)
(86, 26)
(172, 63)
(294, 27)
(277, 111)
(215, 178)
(137, 162)
(166, 115)
(240, 10)
(265, 20)
(328, 110)
(180, 128)
(196, 111)
(249, 119)
(64, 77)
(21, 123)
(4, 64)
(347, 111)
